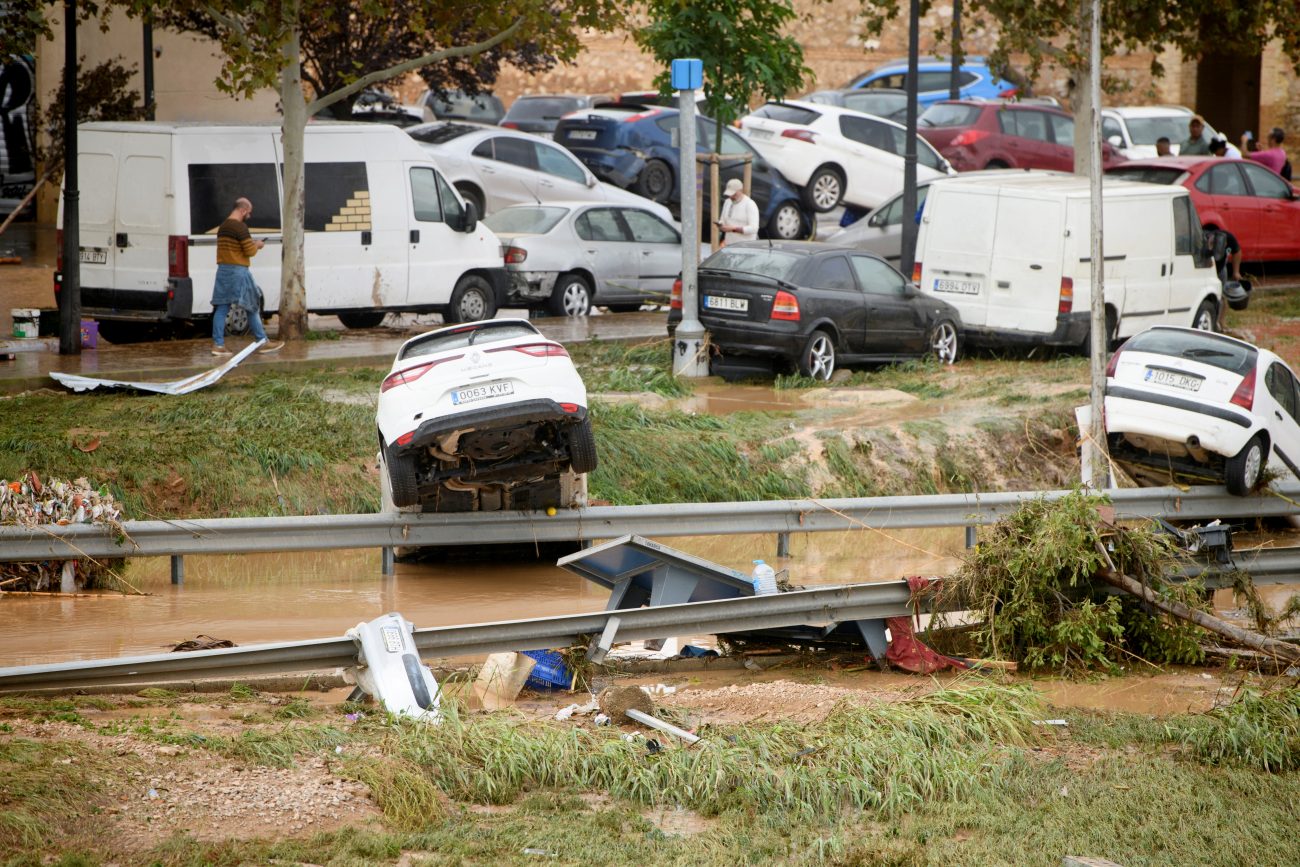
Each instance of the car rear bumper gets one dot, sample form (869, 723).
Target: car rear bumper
(1071, 330)
(509, 415)
(619, 168)
(137, 305)
(763, 340)
(1179, 422)
(527, 286)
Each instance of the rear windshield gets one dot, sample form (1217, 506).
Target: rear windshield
(481, 107)
(478, 334)
(777, 264)
(879, 104)
(546, 108)
(525, 220)
(1197, 345)
(949, 114)
(1145, 130)
(441, 133)
(787, 113)
(1146, 174)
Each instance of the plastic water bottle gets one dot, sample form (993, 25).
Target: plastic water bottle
(764, 579)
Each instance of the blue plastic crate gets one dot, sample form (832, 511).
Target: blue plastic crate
(550, 672)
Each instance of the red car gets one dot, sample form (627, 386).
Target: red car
(1252, 202)
(975, 134)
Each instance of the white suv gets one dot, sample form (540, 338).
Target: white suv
(1133, 130)
(837, 154)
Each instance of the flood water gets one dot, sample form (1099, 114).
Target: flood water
(259, 598)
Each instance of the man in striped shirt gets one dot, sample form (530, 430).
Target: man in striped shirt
(235, 285)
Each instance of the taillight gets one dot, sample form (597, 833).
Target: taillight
(916, 273)
(642, 115)
(1009, 93)
(968, 137)
(411, 374)
(58, 256)
(406, 438)
(800, 134)
(786, 307)
(1113, 364)
(509, 124)
(515, 255)
(1066, 302)
(1244, 396)
(570, 408)
(178, 256)
(676, 302)
(536, 350)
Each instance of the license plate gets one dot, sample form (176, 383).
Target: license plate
(582, 134)
(760, 133)
(1173, 380)
(94, 257)
(717, 302)
(957, 287)
(482, 392)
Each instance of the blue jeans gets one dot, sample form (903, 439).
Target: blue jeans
(219, 312)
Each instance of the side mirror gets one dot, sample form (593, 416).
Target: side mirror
(910, 290)
(875, 221)
(1115, 141)
(467, 221)
(592, 182)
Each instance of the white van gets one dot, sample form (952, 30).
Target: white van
(384, 230)
(1013, 255)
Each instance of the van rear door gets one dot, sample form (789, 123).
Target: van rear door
(1025, 278)
(97, 158)
(956, 246)
(143, 208)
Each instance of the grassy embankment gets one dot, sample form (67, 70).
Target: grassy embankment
(959, 776)
(304, 442)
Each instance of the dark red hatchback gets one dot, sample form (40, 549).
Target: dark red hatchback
(975, 134)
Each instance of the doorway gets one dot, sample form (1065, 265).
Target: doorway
(1227, 93)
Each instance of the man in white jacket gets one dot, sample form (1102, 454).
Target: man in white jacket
(739, 218)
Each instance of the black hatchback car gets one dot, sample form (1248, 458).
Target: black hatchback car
(813, 307)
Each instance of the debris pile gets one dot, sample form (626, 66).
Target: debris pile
(29, 502)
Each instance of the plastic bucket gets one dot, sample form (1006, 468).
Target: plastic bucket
(89, 334)
(27, 322)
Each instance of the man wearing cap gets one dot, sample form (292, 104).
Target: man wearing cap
(1195, 145)
(739, 218)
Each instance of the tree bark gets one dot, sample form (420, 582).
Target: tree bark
(1278, 649)
(293, 284)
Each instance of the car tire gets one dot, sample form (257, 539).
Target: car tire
(362, 319)
(997, 164)
(473, 300)
(1207, 316)
(582, 447)
(817, 361)
(571, 296)
(237, 321)
(1241, 472)
(623, 308)
(824, 190)
(471, 195)
(655, 181)
(118, 331)
(402, 481)
(786, 223)
(945, 342)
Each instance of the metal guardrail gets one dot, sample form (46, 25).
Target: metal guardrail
(307, 533)
(820, 605)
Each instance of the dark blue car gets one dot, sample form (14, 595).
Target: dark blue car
(635, 147)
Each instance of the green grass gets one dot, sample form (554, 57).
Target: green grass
(624, 367)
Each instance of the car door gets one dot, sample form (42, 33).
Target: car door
(835, 295)
(560, 176)
(1062, 146)
(1028, 141)
(511, 176)
(1278, 212)
(892, 325)
(1283, 427)
(660, 252)
(876, 171)
(609, 253)
(1229, 197)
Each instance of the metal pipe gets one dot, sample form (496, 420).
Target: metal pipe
(646, 720)
(70, 278)
(688, 350)
(178, 569)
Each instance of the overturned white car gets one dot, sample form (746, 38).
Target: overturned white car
(483, 416)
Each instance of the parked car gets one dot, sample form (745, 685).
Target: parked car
(540, 113)
(376, 106)
(491, 405)
(459, 105)
(567, 256)
(837, 154)
(1247, 199)
(934, 75)
(813, 307)
(635, 147)
(495, 168)
(1186, 404)
(883, 102)
(881, 231)
(984, 134)
(1133, 130)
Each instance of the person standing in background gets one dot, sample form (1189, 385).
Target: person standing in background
(739, 218)
(1274, 156)
(1195, 145)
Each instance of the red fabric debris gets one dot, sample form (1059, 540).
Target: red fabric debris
(906, 651)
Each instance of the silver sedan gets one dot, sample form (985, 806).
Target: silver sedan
(566, 257)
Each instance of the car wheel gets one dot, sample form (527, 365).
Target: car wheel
(1242, 471)
(787, 223)
(945, 342)
(401, 478)
(1206, 316)
(817, 361)
(119, 331)
(236, 321)
(655, 181)
(997, 164)
(362, 319)
(473, 300)
(473, 196)
(623, 308)
(582, 447)
(571, 296)
(825, 190)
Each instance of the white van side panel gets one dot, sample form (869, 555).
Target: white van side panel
(1025, 275)
(956, 249)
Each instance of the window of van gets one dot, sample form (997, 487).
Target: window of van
(215, 186)
(424, 196)
(1187, 229)
(451, 206)
(338, 195)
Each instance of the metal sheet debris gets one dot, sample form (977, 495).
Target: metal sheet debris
(181, 386)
